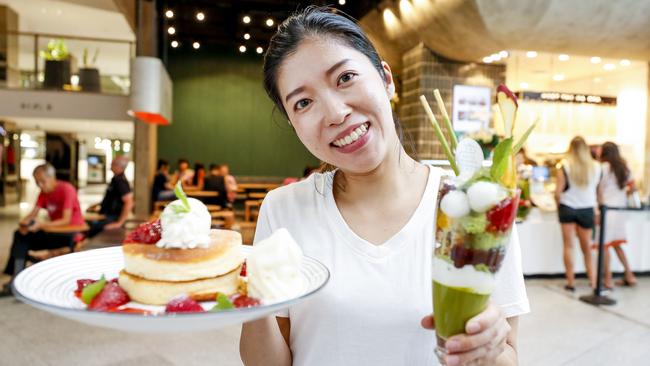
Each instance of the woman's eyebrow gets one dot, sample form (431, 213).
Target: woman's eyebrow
(327, 74)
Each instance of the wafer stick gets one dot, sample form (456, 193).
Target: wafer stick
(443, 111)
(441, 137)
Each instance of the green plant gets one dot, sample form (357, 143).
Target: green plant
(56, 51)
(94, 60)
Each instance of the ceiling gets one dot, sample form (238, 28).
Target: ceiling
(223, 25)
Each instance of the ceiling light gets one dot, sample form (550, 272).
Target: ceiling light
(269, 22)
(341, 2)
(563, 57)
(531, 54)
(174, 44)
(609, 67)
(169, 14)
(259, 50)
(487, 59)
(242, 48)
(503, 54)
(495, 57)
(196, 45)
(171, 30)
(523, 85)
(558, 77)
(246, 19)
(247, 36)
(200, 16)
(595, 60)
(625, 62)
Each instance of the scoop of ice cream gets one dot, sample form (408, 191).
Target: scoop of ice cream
(185, 229)
(484, 195)
(455, 204)
(273, 268)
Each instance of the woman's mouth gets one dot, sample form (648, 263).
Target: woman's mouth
(353, 136)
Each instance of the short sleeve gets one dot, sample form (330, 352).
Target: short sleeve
(69, 197)
(123, 187)
(510, 292)
(40, 201)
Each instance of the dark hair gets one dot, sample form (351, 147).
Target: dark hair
(610, 153)
(215, 166)
(197, 167)
(183, 160)
(162, 163)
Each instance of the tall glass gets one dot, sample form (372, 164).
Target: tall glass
(473, 224)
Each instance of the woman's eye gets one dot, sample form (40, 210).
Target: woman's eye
(346, 77)
(302, 104)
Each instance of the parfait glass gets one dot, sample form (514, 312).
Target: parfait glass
(473, 224)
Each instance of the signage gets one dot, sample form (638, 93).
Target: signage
(471, 108)
(566, 97)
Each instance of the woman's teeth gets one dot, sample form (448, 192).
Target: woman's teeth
(353, 136)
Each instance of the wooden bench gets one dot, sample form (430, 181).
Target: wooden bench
(39, 255)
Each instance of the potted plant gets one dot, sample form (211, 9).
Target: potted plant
(57, 65)
(89, 75)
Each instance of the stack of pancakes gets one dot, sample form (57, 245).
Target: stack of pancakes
(154, 275)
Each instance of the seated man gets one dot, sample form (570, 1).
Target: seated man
(118, 200)
(59, 198)
(216, 182)
(162, 189)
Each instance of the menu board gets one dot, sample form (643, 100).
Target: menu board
(471, 108)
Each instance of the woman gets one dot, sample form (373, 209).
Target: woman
(199, 176)
(371, 220)
(612, 192)
(575, 194)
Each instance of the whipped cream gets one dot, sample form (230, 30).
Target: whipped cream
(273, 268)
(466, 277)
(185, 230)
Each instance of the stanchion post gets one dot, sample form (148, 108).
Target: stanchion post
(597, 298)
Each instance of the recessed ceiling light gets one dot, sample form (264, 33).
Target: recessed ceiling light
(503, 54)
(259, 50)
(242, 48)
(487, 59)
(246, 19)
(171, 30)
(531, 54)
(558, 77)
(169, 14)
(196, 45)
(247, 36)
(595, 60)
(174, 44)
(625, 62)
(269, 22)
(200, 16)
(495, 57)
(523, 85)
(341, 2)
(563, 57)
(609, 67)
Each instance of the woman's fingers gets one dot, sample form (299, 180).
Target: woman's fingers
(427, 322)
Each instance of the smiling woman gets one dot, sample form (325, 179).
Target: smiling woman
(370, 220)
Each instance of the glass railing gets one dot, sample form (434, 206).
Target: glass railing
(54, 62)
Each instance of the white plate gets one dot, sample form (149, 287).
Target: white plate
(50, 286)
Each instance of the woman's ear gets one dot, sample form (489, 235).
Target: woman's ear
(388, 80)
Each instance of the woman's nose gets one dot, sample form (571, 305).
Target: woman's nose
(336, 110)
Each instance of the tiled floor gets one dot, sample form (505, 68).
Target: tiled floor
(561, 330)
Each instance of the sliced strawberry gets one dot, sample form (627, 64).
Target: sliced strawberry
(183, 304)
(501, 216)
(81, 284)
(243, 301)
(111, 296)
(147, 233)
(243, 270)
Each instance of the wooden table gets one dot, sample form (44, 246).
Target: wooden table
(66, 229)
(257, 195)
(250, 186)
(248, 207)
(94, 216)
(202, 194)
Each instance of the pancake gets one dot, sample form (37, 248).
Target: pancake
(161, 292)
(150, 262)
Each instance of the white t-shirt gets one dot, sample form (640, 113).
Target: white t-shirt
(369, 313)
(580, 197)
(613, 196)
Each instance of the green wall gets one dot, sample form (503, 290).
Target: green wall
(222, 115)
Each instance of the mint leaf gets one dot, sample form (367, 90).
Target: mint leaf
(178, 191)
(222, 303)
(502, 152)
(89, 292)
(523, 138)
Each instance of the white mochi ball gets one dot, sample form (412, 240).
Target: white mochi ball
(484, 195)
(455, 204)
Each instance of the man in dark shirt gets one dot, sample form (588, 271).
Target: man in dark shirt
(162, 189)
(118, 200)
(216, 182)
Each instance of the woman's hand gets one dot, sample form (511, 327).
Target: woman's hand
(483, 342)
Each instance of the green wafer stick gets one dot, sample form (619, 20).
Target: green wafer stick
(441, 137)
(443, 111)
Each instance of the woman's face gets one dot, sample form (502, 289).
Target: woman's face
(338, 104)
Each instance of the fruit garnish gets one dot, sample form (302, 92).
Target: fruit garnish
(483, 196)
(90, 291)
(243, 270)
(183, 304)
(223, 303)
(491, 258)
(184, 205)
(455, 204)
(442, 221)
(81, 284)
(146, 233)
(508, 106)
(243, 301)
(111, 296)
(501, 216)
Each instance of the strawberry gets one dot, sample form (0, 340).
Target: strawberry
(147, 233)
(243, 270)
(243, 301)
(501, 216)
(112, 296)
(183, 304)
(81, 284)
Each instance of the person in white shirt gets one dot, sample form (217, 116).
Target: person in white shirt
(575, 193)
(612, 192)
(370, 220)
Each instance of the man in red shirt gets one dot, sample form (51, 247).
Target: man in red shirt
(59, 198)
